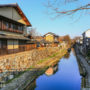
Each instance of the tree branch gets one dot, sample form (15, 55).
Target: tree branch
(54, 9)
(69, 12)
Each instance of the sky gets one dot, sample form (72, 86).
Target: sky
(35, 12)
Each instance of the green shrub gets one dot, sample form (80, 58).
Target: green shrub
(88, 54)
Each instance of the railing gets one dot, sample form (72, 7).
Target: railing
(12, 30)
(11, 27)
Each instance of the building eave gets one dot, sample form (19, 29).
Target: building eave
(16, 6)
(9, 19)
(10, 37)
(51, 34)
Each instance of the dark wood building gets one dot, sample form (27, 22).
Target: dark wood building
(13, 26)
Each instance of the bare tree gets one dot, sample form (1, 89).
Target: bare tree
(33, 32)
(67, 7)
(67, 38)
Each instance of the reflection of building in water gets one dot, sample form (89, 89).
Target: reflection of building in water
(49, 71)
(52, 70)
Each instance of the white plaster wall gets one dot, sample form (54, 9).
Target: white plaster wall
(13, 44)
(87, 33)
(7, 12)
(11, 12)
(16, 44)
(10, 44)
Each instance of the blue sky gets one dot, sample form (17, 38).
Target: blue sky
(35, 12)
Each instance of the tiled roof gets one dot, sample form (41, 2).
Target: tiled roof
(51, 33)
(2, 36)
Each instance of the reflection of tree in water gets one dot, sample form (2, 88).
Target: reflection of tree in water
(32, 86)
(83, 84)
(67, 55)
(50, 71)
(73, 51)
(55, 69)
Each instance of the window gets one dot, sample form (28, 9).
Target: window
(0, 24)
(20, 28)
(6, 25)
(0, 44)
(11, 26)
(14, 27)
(87, 39)
(55, 38)
(3, 47)
(3, 44)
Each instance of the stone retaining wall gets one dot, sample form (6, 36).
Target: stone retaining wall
(23, 60)
(25, 79)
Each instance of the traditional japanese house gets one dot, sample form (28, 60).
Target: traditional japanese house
(52, 38)
(44, 43)
(13, 27)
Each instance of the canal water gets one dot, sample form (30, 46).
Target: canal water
(63, 76)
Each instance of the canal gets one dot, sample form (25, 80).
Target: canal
(62, 76)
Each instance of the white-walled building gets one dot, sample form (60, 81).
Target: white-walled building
(86, 40)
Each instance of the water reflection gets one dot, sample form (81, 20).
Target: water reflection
(67, 55)
(63, 75)
(67, 76)
(73, 51)
(51, 70)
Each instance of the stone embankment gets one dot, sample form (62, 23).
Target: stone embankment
(23, 60)
(84, 69)
(41, 60)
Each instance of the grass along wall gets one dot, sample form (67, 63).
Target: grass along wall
(23, 60)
